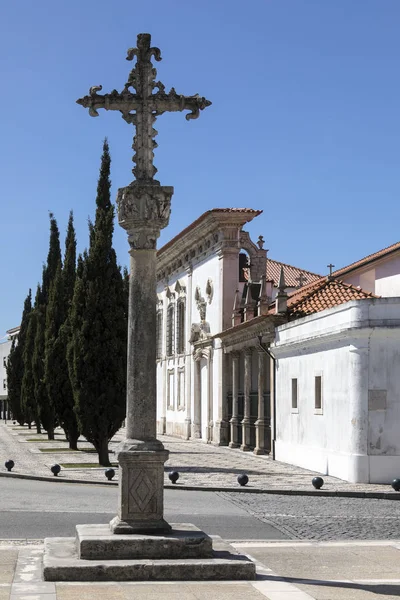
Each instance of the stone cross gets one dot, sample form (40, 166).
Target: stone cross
(145, 104)
(143, 210)
(330, 267)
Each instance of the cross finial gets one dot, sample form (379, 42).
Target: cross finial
(142, 106)
(330, 267)
(301, 279)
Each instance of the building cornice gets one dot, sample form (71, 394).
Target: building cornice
(215, 232)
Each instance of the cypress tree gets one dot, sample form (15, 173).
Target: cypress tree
(43, 400)
(58, 332)
(97, 352)
(28, 398)
(15, 364)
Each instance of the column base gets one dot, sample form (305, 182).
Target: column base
(245, 436)
(221, 433)
(118, 526)
(261, 441)
(259, 451)
(234, 429)
(196, 432)
(162, 425)
(188, 428)
(245, 448)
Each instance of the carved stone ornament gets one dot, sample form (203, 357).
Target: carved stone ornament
(143, 107)
(209, 290)
(180, 288)
(201, 304)
(199, 332)
(143, 210)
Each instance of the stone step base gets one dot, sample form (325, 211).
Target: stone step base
(61, 563)
(96, 542)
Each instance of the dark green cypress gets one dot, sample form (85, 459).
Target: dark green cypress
(28, 397)
(15, 364)
(44, 401)
(58, 333)
(97, 352)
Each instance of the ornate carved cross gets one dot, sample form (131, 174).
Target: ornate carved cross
(146, 105)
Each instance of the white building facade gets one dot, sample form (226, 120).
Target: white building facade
(308, 371)
(338, 391)
(198, 274)
(5, 347)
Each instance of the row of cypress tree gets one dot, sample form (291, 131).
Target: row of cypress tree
(68, 366)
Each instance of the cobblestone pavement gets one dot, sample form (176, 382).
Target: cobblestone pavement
(323, 519)
(199, 464)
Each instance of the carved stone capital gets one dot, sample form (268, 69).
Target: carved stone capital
(143, 210)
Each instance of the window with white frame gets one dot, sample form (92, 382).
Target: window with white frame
(170, 330)
(294, 394)
(159, 333)
(180, 325)
(318, 393)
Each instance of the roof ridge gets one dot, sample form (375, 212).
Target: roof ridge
(293, 267)
(366, 259)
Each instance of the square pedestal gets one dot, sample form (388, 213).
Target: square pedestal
(96, 542)
(188, 557)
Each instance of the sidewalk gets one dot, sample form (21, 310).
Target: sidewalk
(200, 465)
(285, 571)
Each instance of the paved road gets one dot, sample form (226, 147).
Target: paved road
(324, 519)
(36, 509)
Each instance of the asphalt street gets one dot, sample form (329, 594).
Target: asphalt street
(34, 509)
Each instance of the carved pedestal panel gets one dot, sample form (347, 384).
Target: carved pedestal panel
(141, 483)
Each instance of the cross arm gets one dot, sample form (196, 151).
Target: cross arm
(113, 101)
(173, 102)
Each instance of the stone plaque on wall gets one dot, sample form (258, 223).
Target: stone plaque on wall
(377, 399)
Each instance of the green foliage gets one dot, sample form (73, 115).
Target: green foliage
(47, 328)
(15, 364)
(58, 334)
(97, 350)
(53, 259)
(69, 269)
(28, 400)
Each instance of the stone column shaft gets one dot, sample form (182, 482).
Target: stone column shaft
(247, 387)
(234, 421)
(260, 423)
(141, 377)
(143, 210)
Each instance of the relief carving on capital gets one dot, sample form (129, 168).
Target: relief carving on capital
(143, 210)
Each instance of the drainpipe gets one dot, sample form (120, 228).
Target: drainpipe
(273, 392)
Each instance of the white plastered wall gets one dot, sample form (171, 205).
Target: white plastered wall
(355, 348)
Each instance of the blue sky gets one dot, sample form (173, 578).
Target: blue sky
(305, 123)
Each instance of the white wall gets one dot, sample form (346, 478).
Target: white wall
(356, 350)
(5, 348)
(383, 279)
(169, 369)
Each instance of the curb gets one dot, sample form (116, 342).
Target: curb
(241, 490)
